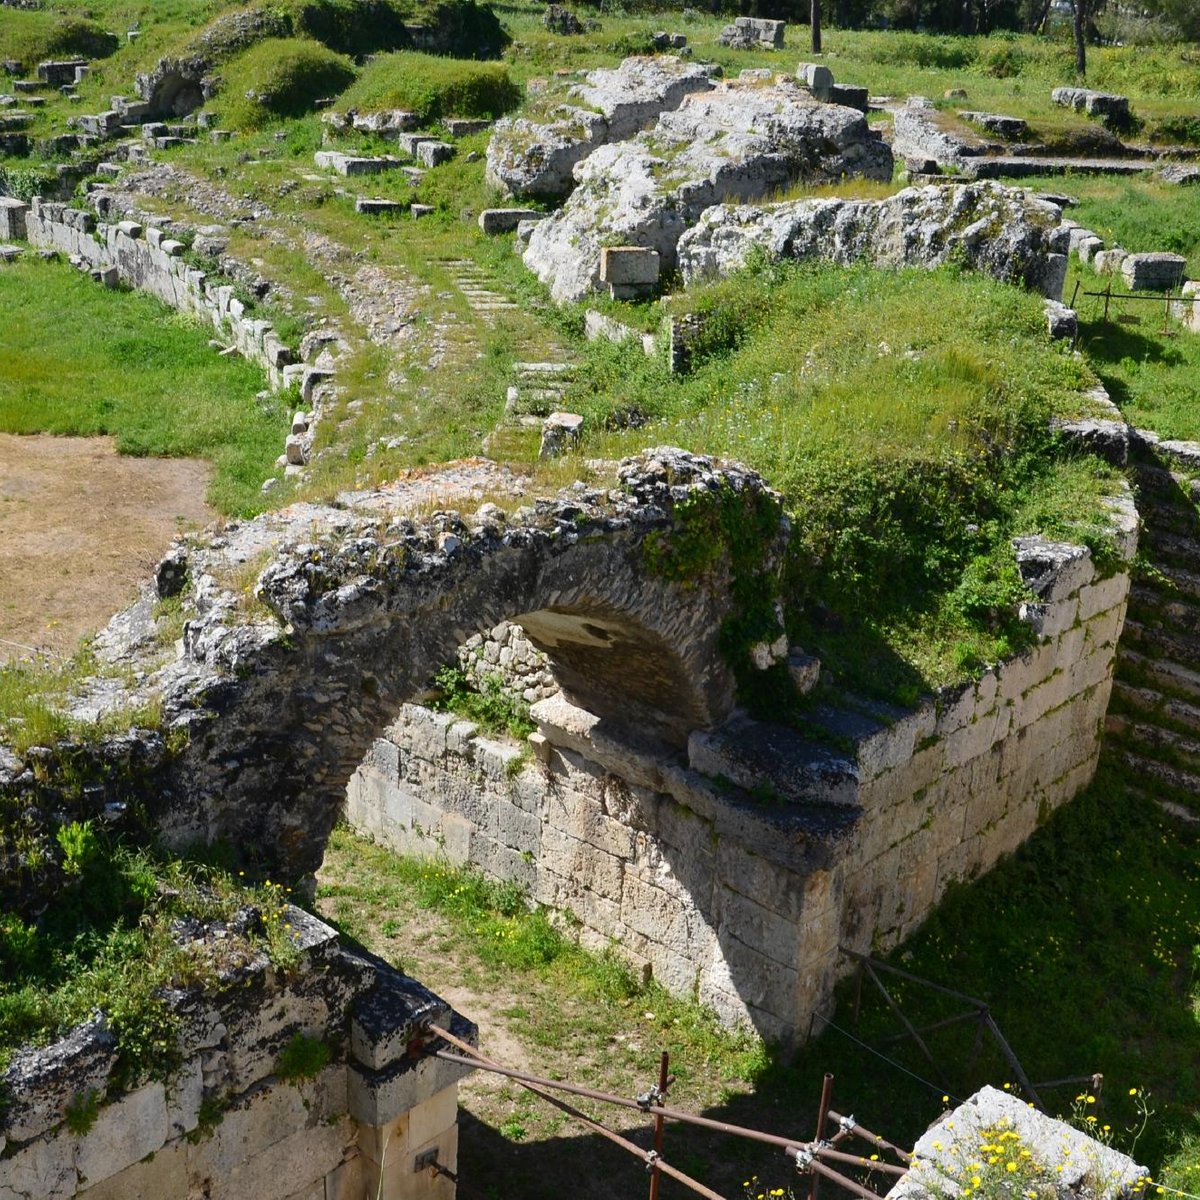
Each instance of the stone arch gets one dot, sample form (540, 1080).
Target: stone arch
(279, 718)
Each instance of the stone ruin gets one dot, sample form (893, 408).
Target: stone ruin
(228, 1120)
(734, 143)
(753, 33)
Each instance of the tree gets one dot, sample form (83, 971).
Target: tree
(815, 19)
(1080, 11)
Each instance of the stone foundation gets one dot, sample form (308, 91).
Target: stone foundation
(146, 259)
(225, 1124)
(736, 875)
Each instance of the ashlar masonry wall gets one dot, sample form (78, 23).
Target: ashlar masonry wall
(149, 260)
(225, 1124)
(743, 904)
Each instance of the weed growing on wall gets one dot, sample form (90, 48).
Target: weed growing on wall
(489, 704)
(110, 943)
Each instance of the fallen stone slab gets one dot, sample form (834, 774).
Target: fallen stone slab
(1061, 322)
(458, 127)
(817, 78)
(1153, 272)
(378, 208)
(1010, 128)
(989, 227)
(537, 158)
(9, 253)
(739, 143)
(1113, 110)
(851, 95)
(1072, 1161)
(433, 154)
(629, 271)
(1180, 173)
(386, 122)
(753, 33)
(561, 432)
(494, 221)
(917, 136)
(352, 165)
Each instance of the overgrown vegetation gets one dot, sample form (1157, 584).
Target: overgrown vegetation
(433, 87)
(126, 365)
(29, 37)
(112, 941)
(492, 706)
(908, 460)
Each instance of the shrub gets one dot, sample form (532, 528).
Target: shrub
(281, 78)
(434, 87)
(350, 26)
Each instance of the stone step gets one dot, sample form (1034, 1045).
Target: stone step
(1153, 608)
(1172, 777)
(1159, 642)
(544, 368)
(1152, 705)
(1155, 742)
(1171, 678)
(1182, 810)
(1172, 549)
(1185, 583)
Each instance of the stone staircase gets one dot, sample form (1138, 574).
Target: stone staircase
(474, 283)
(1154, 716)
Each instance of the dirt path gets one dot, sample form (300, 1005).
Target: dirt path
(80, 528)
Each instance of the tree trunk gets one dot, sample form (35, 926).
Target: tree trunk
(965, 25)
(1080, 7)
(816, 26)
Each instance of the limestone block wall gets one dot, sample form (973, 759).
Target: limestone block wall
(225, 1124)
(745, 904)
(948, 790)
(147, 259)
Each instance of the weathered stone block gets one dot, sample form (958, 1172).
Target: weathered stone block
(817, 78)
(1154, 272)
(13, 214)
(125, 1132)
(384, 1021)
(158, 1177)
(629, 270)
(494, 221)
(42, 1170)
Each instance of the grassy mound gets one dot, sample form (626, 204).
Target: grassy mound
(350, 26)
(909, 457)
(30, 37)
(434, 87)
(281, 78)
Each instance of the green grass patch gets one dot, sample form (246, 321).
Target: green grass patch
(76, 359)
(496, 927)
(108, 943)
(280, 78)
(908, 458)
(434, 87)
(30, 37)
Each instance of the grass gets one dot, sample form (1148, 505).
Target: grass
(1083, 943)
(908, 459)
(279, 78)
(433, 87)
(76, 359)
(109, 943)
(363, 885)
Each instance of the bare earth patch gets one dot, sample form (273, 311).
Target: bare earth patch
(80, 527)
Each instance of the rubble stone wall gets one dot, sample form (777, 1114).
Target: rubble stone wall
(150, 261)
(225, 1123)
(744, 904)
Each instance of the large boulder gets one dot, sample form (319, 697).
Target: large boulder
(734, 144)
(985, 225)
(530, 157)
(1111, 109)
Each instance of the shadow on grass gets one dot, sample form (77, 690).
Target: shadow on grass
(1083, 945)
